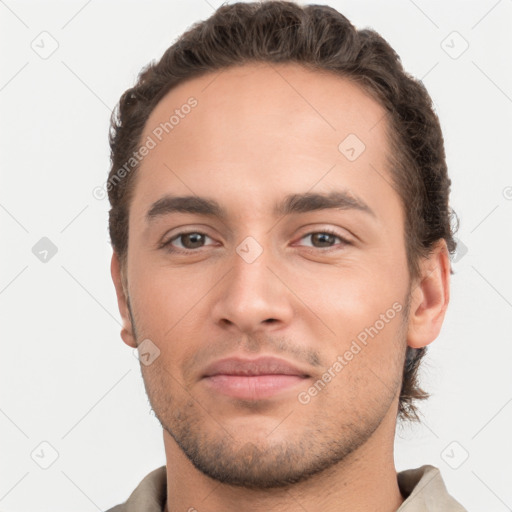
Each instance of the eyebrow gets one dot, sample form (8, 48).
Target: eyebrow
(291, 204)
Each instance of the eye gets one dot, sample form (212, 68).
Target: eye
(189, 241)
(325, 239)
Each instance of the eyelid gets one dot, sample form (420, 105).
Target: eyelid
(186, 229)
(344, 235)
(167, 242)
(343, 239)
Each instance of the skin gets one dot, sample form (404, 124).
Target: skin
(258, 133)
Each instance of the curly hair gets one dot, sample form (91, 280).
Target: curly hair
(321, 39)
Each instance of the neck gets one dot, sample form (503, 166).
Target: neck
(365, 480)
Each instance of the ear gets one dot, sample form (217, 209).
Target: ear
(127, 331)
(430, 296)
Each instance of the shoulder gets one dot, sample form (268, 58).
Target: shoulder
(425, 491)
(149, 495)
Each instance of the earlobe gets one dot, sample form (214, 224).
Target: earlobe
(127, 330)
(430, 297)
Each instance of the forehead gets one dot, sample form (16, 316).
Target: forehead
(265, 128)
(264, 98)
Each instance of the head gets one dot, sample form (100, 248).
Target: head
(271, 110)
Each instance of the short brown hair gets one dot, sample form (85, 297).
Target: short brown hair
(319, 38)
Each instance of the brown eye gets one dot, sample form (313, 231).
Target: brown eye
(186, 241)
(325, 239)
(192, 240)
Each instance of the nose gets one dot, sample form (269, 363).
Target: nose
(253, 296)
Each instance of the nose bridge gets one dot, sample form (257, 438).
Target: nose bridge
(251, 294)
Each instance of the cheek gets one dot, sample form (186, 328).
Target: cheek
(174, 311)
(163, 299)
(364, 314)
(350, 297)
(366, 361)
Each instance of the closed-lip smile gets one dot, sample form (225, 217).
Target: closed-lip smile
(252, 379)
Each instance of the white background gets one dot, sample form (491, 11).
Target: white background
(67, 379)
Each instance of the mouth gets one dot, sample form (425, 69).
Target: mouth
(253, 379)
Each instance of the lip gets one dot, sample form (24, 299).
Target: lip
(253, 379)
(252, 367)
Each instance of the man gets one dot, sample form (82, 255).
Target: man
(281, 235)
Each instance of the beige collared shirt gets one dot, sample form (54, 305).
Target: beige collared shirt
(423, 487)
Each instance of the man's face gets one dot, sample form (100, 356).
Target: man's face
(253, 283)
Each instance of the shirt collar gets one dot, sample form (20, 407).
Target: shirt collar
(422, 487)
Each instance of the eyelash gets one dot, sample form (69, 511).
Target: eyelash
(168, 245)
